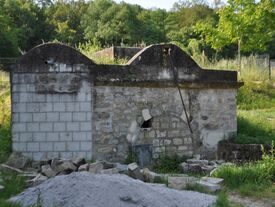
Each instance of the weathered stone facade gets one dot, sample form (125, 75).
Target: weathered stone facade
(64, 105)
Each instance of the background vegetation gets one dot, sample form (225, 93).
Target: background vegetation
(216, 31)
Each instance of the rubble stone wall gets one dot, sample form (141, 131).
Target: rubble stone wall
(118, 119)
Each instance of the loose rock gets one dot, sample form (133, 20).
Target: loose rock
(134, 171)
(84, 167)
(181, 183)
(2, 188)
(79, 161)
(48, 171)
(17, 160)
(96, 167)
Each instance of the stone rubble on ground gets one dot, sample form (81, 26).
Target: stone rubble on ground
(101, 190)
(46, 169)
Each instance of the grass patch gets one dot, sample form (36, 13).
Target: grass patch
(222, 201)
(256, 96)
(169, 164)
(13, 185)
(250, 178)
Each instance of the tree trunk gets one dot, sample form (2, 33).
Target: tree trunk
(239, 56)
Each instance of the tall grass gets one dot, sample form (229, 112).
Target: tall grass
(250, 177)
(253, 67)
(5, 114)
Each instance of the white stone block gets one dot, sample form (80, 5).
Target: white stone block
(19, 107)
(79, 136)
(59, 107)
(146, 114)
(18, 127)
(25, 137)
(33, 147)
(19, 147)
(39, 117)
(46, 127)
(59, 146)
(72, 146)
(32, 127)
(52, 116)
(72, 126)
(46, 107)
(79, 116)
(46, 146)
(85, 106)
(85, 146)
(65, 136)
(59, 126)
(85, 126)
(66, 116)
(25, 117)
(52, 136)
(39, 136)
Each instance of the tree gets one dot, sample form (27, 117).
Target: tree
(247, 23)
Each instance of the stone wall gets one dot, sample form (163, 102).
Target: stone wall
(117, 52)
(118, 119)
(64, 105)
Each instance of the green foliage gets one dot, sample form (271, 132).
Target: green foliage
(250, 176)
(256, 96)
(13, 185)
(222, 201)
(169, 164)
(131, 156)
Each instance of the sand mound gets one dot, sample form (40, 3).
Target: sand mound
(83, 189)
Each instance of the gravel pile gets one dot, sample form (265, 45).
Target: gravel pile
(84, 189)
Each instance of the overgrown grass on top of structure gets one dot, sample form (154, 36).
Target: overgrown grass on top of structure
(250, 178)
(89, 49)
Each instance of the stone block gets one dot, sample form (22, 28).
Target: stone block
(72, 107)
(66, 116)
(32, 127)
(59, 107)
(84, 167)
(134, 171)
(78, 161)
(37, 180)
(216, 181)
(52, 116)
(33, 107)
(79, 136)
(48, 171)
(65, 136)
(17, 160)
(52, 136)
(33, 147)
(151, 177)
(45, 146)
(86, 146)
(59, 146)
(110, 171)
(25, 137)
(46, 107)
(73, 146)
(25, 117)
(46, 127)
(79, 116)
(85, 126)
(178, 141)
(39, 117)
(72, 126)
(85, 106)
(96, 167)
(19, 107)
(18, 127)
(181, 182)
(59, 126)
(209, 186)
